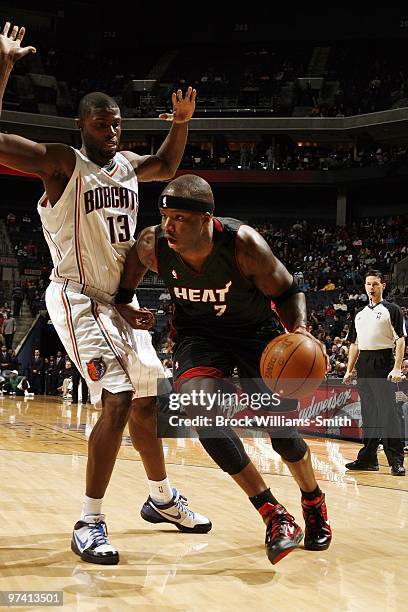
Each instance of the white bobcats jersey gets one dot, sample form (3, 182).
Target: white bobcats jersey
(91, 228)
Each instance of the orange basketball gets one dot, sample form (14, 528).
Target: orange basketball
(293, 365)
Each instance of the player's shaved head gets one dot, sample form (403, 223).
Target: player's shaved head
(96, 100)
(190, 186)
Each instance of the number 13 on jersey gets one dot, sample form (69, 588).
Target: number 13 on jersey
(119, 229)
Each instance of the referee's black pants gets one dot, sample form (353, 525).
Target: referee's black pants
(379, 411)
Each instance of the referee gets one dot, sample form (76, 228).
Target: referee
(376, 329)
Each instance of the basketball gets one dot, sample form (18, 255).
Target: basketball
(293, 365)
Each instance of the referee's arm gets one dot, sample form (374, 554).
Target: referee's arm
(354, 352)
(396, 375)
(398, 326)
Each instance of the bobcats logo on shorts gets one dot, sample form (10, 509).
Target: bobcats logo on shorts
(96, 368)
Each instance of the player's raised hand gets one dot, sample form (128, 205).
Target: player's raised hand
(183, 106)
(10, 44)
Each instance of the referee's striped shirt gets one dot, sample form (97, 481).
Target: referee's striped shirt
(377, 327)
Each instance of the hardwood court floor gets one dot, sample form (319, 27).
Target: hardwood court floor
(42, 465)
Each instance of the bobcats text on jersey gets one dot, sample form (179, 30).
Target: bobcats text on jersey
(110, 197)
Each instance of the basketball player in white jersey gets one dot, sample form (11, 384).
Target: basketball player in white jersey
(89, 212)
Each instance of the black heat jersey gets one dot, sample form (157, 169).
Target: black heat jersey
(219, 300)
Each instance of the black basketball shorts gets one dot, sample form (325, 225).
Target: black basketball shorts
(200, 355)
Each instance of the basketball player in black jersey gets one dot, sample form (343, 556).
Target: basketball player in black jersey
(222, 276)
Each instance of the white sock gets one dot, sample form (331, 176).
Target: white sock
(91, 506)
(160, 491)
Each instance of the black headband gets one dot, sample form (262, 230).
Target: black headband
(169, 201)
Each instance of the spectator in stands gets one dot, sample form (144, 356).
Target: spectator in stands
(333, 357)
(352, 299)
(35, 372)
(165, 301)
(11, 219)
(18, 297)
(51, 378)
(168, 368)
(16, 384)
(270, 157)
(329, 286)
(362, 299)
(14, 363)
(59, 365)
(313, 318)
(340, 369)
(335, 327)
(4, 359)
(76, 379)
(340, 307)
(167, 346)
(298, 277)
(9, 328)
(164, 296)
(65, 382)
(37, 303)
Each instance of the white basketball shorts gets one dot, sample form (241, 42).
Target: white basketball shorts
(108, 352)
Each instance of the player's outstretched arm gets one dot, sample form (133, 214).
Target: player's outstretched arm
(20, 153)
(163, 165)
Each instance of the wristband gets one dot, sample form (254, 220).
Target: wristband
(124, 296)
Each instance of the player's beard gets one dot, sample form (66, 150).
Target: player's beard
(99, 154)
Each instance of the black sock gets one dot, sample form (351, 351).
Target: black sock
(262, 498)
(312, 494)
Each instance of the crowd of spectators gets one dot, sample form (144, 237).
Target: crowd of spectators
(291, 157)
(317, 252)
(254, 78)
(377, 81)
(54, 375)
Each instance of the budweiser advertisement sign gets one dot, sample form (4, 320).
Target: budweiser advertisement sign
(333, 409)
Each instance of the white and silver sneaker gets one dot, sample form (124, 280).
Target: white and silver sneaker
(177, 513)
(90, 541)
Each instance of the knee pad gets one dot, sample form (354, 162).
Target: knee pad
(226, 449)
(290, 449)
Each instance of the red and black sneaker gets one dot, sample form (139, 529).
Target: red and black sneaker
(282, 533)
(318, 533)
